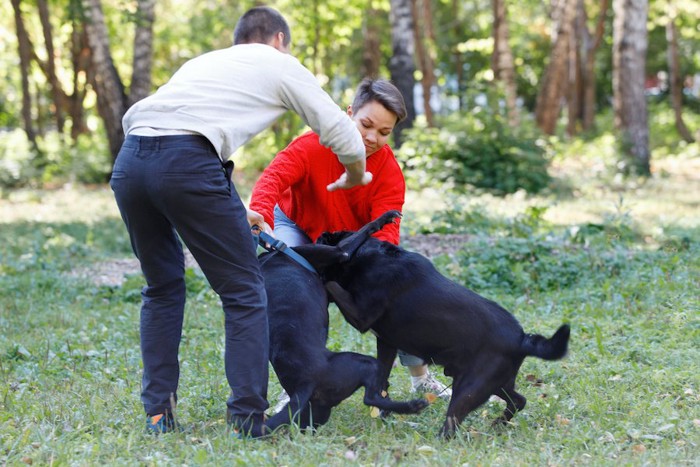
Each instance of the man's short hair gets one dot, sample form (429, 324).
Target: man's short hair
(259, 25)
(382, 91)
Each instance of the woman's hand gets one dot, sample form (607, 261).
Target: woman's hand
(255, 218)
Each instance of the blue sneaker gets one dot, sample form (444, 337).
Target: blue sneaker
(161, 423)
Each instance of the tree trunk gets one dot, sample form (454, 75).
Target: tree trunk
(371, 52)
(401, 65)
(629, 101)
(589, 76)
(143, 52)
(459, 67)
(56, 91)
(111, 99)
(675, 78)
(574, 98)
(25, 53)
(502, 59)
(420, 35)
(552, 88)
(80, 57)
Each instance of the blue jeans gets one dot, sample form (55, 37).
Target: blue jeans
(287, 231)
(291, 234)
(170, 186)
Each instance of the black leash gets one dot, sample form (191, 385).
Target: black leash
(272, 244)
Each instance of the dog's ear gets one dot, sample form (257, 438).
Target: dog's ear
(321, 256)
(351, 312)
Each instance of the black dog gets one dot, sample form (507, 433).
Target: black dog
(411, 306)
(315, 378)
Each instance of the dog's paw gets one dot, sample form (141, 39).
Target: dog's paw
(418, 404)
(388, 217)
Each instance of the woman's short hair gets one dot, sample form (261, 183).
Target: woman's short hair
(382, 91)
(259, 25)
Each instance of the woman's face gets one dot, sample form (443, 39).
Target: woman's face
(375, 123)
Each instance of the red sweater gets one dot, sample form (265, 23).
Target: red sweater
(297, 177)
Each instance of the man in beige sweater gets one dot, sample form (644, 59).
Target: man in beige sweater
(171, 181)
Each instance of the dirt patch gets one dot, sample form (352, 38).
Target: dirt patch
(114, 273)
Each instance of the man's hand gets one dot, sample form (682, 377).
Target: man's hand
(354, 175)
(255, 218)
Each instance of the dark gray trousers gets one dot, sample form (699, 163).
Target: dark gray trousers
(176, 185)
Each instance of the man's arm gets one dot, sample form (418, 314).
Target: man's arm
(354, 175)
(335, 128)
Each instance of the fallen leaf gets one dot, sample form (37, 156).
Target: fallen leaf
(430, 397)
(534, 380)
(350, 440)
(374, 412)
(562, 420)
(639, 448)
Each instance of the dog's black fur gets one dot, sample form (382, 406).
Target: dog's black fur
(411, 306)
(315, 378)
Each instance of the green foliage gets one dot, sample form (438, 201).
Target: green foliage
(476, 149)
(527, 255)
(86, 161)
(627, 393)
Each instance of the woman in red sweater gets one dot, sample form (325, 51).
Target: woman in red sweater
(297, 204)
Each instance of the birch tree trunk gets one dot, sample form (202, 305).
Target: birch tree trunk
(401, 64)
(629, 101)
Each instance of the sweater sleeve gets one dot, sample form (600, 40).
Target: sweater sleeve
(287, 168)
(302, 93)
(390, 193)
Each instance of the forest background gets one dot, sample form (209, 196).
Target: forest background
(552, 160)
(527, 75)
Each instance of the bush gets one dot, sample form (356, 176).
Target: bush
(476, 149)
(86, 160)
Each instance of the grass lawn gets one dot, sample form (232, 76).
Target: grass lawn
(619, 260)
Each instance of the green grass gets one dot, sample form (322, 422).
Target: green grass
(619, 260)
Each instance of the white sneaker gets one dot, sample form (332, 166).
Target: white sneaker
(428, 383)
(282, 401)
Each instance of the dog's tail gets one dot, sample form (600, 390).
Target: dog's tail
(553, 348)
